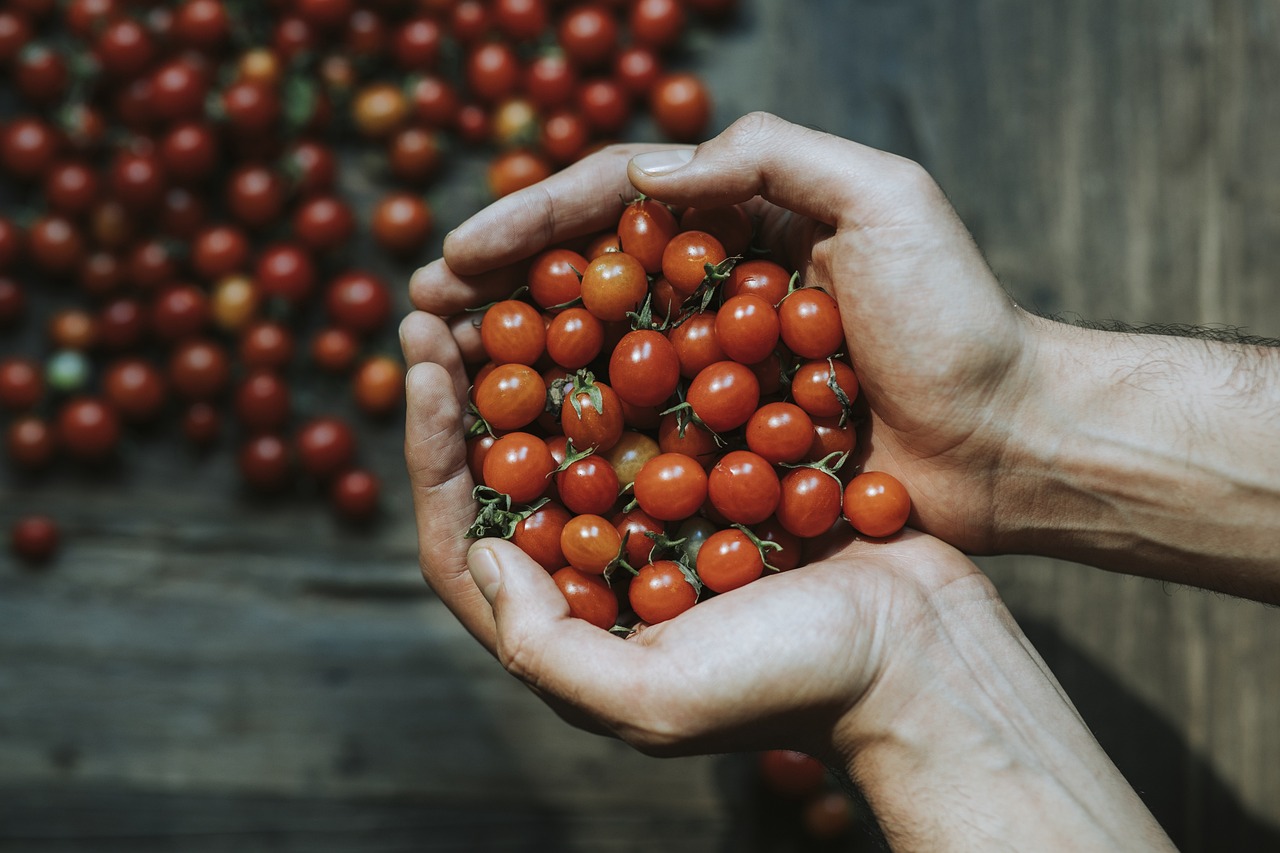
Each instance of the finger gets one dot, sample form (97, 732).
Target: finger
(583, 198)
(427, 338)
(466, 334)
(812, 173)
(436, 456)
(439, 290)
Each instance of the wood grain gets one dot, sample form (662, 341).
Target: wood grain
(201, 671)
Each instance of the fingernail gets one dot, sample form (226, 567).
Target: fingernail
(483, 564)
(662, 162)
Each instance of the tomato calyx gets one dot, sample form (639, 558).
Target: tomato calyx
(583, 382)
(479, 426)
(846, 405)
(481, 309)
(762, 545)
(829, 464)
(643, 320)
(685, 415)
(496, 516)
(705, 294)
(572, 455)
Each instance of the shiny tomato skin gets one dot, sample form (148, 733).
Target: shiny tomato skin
(538, 535)
(696, 343)
(686, 256)
(759, 276)
(696, 442)
(516, 169)
(876, 504)
(634, 526)
(511, 397)
(637, 69)
(747, 328)
(574, 338)
(266, 344)
(589, 597)
(21, 384)
(728, 559)
(743, 487)
(378, 386)
(731, 225)
(644, 368)
(590, 543)
(262, 402)
(724, 395)
(588, 34)
(656, 23)
(550, 81)
(671, 487)
(681, 107)
(612, 285)
(286, 271)
(831, 436)
(518, 465)
(493, 71)
(594, 429)
(555, 277)
(30, 442)
(810, 502)
(588, 486)
(630, 454)
(811, 387)
(199, 369)
(810, 323)
(644, 230)
(513, 332)
(780, 432)
(266, 463)
(661, 592)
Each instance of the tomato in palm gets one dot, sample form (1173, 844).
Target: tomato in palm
(809, 503)
(574, 338)
(660, 591)
(681, 107)
(758, 276)
(790, 550)
(830, 435)
(644, 368)
(811, 387)
(693, 441)
(728, 560)
(588, 486)
(747, 328)
(686, 257)
(634, 526)
(724, 395)
(612, 285)
(644, 230)
(876, 504)
(538, 535)
(511, 396)
(513, 332)
(671, 486)
(743, 487)
(590, 543)
(810, 323)
(555, 277)
(519, 465)
(589, 424)
(696, 343)
(731, 225)
(780, 432)
(589, 597)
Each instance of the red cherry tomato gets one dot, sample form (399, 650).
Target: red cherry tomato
(34, 538)
(555, 277)
(588, 34)
(644, 368)
(681, 107)
(743, 488)
(519, 465)
(876, 504)
(758, 276)
(724, 395)
(644, 230)
(791, 774)
(660, 592)
(589, 597)
(30, 442)
(831, 436)
(809, 503)
(262, 402)
(354, 494)
(810, 323)
(21, 384)
(686, 257)
(513, 331)
(359, 302)
(695, 441)
(511, 397)
(590, 543)
(88, 428)
(265, 462)
(286, 271)
(588, 486)
(634, 526)
(199, 369)
(729, 559)
(780, 432)
(747, 328)
(325, 446)
(574, 338)
(538, 534)
(590, 426)
(811, 387)
(671, 487)
(731, 225)
(136, 389)
(378, 386)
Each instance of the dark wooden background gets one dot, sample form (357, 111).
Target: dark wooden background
(201, 671)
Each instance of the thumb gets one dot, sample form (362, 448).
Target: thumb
(521, 592)
(815, 174)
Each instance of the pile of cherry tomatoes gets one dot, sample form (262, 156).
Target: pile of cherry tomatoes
(170, 177)
(666, 415)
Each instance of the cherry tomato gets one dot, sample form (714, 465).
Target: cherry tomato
(201, 424)
(199, 370)
(876, 504)
(644, 230)
(550, 80)
(743, 488)
(588, 34)
(354, 494)
(178, 90)
(56, 245)
(15, 33)
(564, 136)
(660, 591)
(262, 402)
(597, 427)
(324, 14)
(416, 44)
(511, 397)
(415, 155)
(728, 560)
(30, 442)
(633, 527)
(21, 384)
(493, 71)
(791, 774)
(519, 465)
(811, 387)
(379, 110)
(324, 223)
(681, 107)
(724, 395)
(179, 311)
(831, 436)
(71, 188)
(810, 323)
(251, 107)
(644, 368)
(136, 389)
(202, 24)
(359, 302)
(758, 276)
(604, 104)
(731, 225)
(656, 23)
(314, 167)
(637, 69)
(286, 271)
(28, 148)
(538, 535)
(235, 303)
(555, 277)
(695, 441)
(747, 328)
(88, 428)
(588, 486)
(574, 338)
(34, 538)
(696, 343)
(73, 329)
(435, 103)
(780, 432)
(266, 344)
(379, 386)
(671, 487)
(590, 543)
(612, 285)
(266, 463)
(219, 251)
(122, 325)
(516, 169)
(828, 816)
(124, 48)
(334, 350)
(589, 597)
(686, 256)
(402, 223)
(791, 548)
(809, 503)
(256, 196)
(513, 331)
(325, 447)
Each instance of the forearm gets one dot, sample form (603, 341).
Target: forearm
(983, 750)
(1151, 455)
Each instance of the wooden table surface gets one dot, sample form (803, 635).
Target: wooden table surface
(202, 671)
